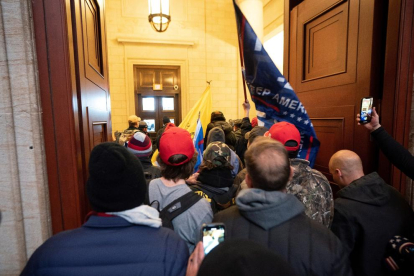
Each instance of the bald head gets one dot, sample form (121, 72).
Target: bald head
(345, 167)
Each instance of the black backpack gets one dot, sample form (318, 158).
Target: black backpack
(175, 208)
(219, 199)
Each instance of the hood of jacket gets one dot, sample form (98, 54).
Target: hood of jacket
(226, 127)
(217, 177)
(216, 134)
(268, 209)
(369, 189)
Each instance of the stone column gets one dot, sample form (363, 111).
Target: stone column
(24, 200)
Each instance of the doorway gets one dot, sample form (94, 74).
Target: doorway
(152, 109)
(157, 94)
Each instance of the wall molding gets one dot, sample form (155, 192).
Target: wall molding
(134, 40)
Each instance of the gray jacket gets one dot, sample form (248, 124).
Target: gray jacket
(188, 224)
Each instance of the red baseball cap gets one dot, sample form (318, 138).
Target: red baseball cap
(284, 132)
(254, 122)
(174, 141)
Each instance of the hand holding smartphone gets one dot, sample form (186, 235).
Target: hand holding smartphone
(366, 110)
(212, 235)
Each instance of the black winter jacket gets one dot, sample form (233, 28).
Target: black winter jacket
(277, 221)
(368, 213)
(241, 144)
(394, 151)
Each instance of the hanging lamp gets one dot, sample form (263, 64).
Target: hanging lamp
(159, 14)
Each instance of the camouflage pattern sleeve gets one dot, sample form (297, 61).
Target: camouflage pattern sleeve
(312, 188)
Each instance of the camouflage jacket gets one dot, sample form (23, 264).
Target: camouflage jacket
(313, 189)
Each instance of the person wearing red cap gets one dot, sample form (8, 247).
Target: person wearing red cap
(310, 186)
(177, 157)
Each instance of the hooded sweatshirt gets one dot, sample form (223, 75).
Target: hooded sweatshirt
(268, 209)
(368, 213)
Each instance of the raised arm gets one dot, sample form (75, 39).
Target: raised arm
(394, 151)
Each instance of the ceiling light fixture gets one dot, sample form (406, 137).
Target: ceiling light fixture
(159, 14)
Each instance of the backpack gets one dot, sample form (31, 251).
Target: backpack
(175, 208)
(122, 137)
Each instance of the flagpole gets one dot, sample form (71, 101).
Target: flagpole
(242, 65)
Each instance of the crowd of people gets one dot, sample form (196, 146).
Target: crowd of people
(280, 215)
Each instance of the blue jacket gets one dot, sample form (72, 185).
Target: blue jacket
(110, 246)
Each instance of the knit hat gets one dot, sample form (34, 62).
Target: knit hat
(217, 116)
(218, 154)
(133, 119)
(165, 120)
(286, 133)
(116, 179)
(255, 132)
(174, 141)
(140, 145)
(216, 134)
(240, 257)
(254, 122)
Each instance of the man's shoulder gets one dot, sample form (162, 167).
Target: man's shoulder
(304, 175)
(226, 214)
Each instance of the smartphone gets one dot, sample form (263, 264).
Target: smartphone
(212, 234)
(366, 110)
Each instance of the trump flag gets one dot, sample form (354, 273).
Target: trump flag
(273, 96)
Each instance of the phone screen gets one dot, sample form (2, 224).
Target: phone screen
(213, 234)
(366, 110)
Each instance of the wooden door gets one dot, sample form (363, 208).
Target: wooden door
(157, 91)
(73, 79)
(92, 81)
(152, 109)
(336, 55)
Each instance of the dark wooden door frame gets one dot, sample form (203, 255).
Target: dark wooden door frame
(59, 98)
(398, 81)
(72, 124)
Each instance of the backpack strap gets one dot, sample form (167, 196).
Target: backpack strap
(177, 207)
(220, 199)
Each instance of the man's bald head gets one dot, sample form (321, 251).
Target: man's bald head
(345, 167)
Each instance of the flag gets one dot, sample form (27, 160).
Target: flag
(198, 141)
(201, 108)
(273, 96)
(201, 111)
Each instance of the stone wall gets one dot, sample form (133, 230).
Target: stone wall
(24, 206)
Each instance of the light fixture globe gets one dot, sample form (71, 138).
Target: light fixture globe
(159, 14)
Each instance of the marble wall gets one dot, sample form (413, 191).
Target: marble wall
(24, 205)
